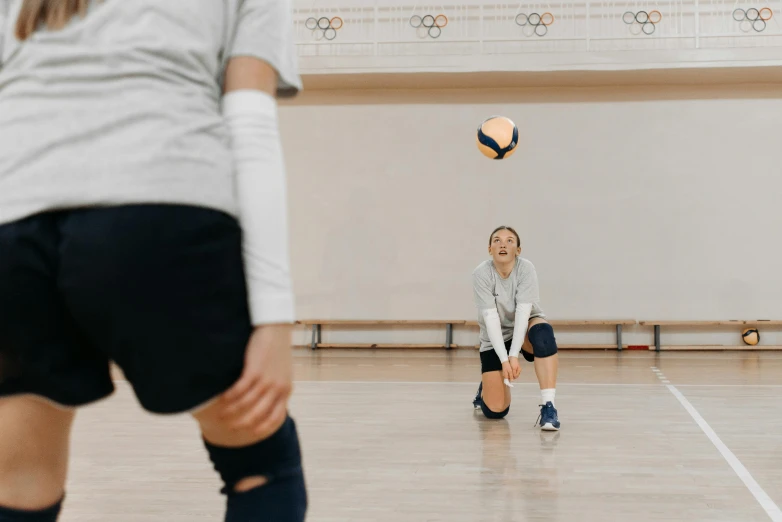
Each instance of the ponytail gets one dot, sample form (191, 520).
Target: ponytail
(54, 14)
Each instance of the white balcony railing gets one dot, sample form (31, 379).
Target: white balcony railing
(370, 29)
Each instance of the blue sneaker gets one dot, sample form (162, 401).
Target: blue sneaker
(476, 402)
(548, 419)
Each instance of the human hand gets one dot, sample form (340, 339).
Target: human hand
(507, 371)
(258, 401)
(515, 367)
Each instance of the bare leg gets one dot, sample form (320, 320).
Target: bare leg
(262, 471)
(546, 369)
(34, 452)
(495, 394)
(215, 430)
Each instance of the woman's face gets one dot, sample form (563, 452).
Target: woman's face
(503, 247)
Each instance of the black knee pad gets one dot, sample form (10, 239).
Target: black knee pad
(49, 514)
(528, 356)
(541, 337)
(275, 458)
(280, 501)
(489, 414)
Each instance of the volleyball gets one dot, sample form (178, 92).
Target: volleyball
(497, 137)
(751, 336)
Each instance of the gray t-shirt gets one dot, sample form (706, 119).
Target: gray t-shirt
(123, 106)
(490, 290)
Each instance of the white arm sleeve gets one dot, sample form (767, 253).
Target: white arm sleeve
(494, 329)
(523, 311)
(261, 192)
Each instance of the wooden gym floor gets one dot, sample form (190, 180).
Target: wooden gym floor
(391, 436)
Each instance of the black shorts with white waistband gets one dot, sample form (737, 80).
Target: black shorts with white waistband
(157, 289)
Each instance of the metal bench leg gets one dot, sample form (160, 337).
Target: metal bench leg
(448, 336)
(657, 337)
(315, 336)
(619, 337)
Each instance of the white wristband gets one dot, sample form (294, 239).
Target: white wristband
(261, 192)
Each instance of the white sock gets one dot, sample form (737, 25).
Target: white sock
(548, 395)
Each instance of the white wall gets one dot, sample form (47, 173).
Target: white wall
(646, 204)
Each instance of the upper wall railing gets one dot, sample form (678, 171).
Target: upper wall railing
(369, 29)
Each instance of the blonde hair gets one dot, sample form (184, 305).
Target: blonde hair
(54, 14)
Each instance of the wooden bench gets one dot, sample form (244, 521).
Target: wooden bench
(449, 326)
(757, 323)
(316, 325)
(587, 323)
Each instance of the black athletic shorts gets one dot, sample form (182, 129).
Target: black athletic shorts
(157, 289)
(490, 361)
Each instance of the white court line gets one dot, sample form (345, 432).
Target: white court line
(470, 383)
(772, 356)
(772, 510)
(464, 383)
(734, 385)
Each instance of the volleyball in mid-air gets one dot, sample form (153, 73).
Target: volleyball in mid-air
(497, 137)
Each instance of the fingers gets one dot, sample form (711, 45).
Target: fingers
(272, 421)
(513, 370)
(257, 412)
(242, 396)
(259, 407)
(257, 401)
(240, 388)
(241, 414)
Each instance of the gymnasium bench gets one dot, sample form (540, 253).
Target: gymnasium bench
(449, 325)
(617, 324)
(318, 324)
(758, 323)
